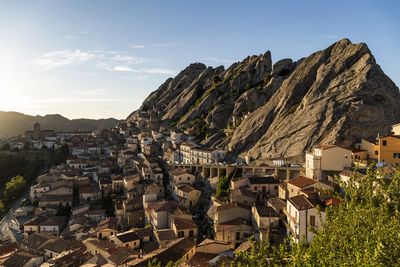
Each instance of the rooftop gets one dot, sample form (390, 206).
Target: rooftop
(263, 180)
(184, 224)
(128, 236)
(302, 182)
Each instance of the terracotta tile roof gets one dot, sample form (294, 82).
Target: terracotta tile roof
(201, 259)
(59, 245)
(108, 223)
(231, 205)
(122, 255)
(302, 182)
(208, 241)
(173, 252)
(301, 202)
(185, 188)
(165, 235)
(263, 180)
(128, 236)
(56, 220)
(265, 211)
(332, 202)
(184, 224)
(163, 205)
(6, 249)
(36, 221)
(36, 240)
(276, 203)
(179, 171)
(19, 258)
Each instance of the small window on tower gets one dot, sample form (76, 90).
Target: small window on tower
(384, 143)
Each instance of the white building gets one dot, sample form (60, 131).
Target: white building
(325, 158)
(306, 213)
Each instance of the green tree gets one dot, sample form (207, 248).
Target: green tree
(60, 155)
(364, 230)
(2, 207)
(15, 188)
(222, 191)
(6, 147)
(154, 263)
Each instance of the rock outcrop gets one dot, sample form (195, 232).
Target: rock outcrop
(338, 95)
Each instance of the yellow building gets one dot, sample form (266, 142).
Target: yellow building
(385, 148)
(389, 149)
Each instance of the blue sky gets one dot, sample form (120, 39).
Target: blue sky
(100, 59)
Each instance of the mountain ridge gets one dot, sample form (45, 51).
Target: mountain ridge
(336, 95)
(14, 123)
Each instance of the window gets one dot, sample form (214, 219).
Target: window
(191, 233)
(180, 234)
(276, 187)
(396, 155)
(188, 178)
(312, 220)
(376, 152)
(237, 235)
(264, 189)
(255, 188)
(384, 143)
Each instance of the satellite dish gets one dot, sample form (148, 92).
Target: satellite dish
(380, 164)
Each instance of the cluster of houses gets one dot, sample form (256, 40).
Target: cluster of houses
(120, 200)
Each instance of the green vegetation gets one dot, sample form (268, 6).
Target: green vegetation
(17, 171)
(156, 263)
(15, 188)
(222, 192)
(2, 207)
(362, 231)
(59, 156)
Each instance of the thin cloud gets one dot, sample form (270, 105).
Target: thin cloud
(71, 37)
(129, 59)
(55, 59)
(127, 68)
(84, 32)
(164, 44)
(117, 68)
(136, 46)
(158, 71)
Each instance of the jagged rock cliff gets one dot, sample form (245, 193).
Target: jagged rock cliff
(337, 95)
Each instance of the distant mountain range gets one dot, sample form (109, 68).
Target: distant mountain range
(271, 110)
(15, 123)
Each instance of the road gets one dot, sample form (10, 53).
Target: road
(5, 230)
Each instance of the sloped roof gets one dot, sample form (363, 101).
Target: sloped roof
(302, 182)
(263, 180)
(128, 236)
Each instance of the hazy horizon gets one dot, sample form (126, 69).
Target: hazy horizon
(85, 60)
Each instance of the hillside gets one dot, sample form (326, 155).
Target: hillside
(336, 95)
(15, 123)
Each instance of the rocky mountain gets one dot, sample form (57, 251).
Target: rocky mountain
(337, 95)
(15, 123)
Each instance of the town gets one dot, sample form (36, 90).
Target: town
(141, 192)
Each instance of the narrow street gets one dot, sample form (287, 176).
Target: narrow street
(5, 230)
